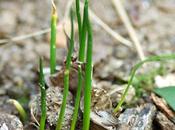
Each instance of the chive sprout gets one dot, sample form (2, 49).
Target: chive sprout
(53, 39)
(43, 96)
(81, 58)
(66, 76)
(88, 75)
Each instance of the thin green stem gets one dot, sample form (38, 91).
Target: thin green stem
(133, 72)
(77, 99)
(78, 18)
(43, 96)
(66, 77)
(88, 76)
(82, 44)
(53, 40)
(81, 58)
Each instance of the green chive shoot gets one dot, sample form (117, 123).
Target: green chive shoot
(53, 39)
(43, 96)
(66, 77)
(78, 18)
(82, 43)
(88, 75)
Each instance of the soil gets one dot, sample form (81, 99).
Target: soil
(154, 24)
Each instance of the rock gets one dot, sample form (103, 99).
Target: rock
(10, 122)
(163, 81)
(103, 120)
(54, 98)
(100, 99)
(115, 91)
(101, 114)
(139, 118)
(7, 26)
(163, 123)
(5, 107)
(112, 68)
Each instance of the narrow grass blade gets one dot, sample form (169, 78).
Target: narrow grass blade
(66, 77)
(133, 72)
(88, 76)
(81, 58)
(43, 96)
(53, 39)
(78, 18)
(82, 44)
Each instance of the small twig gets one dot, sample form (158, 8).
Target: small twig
(114, 34)
(22, 37)
(67, 10)
(53, 7)
(34, 118)
(123, 15)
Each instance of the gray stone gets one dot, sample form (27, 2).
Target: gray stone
(10, 122)
(139, 118)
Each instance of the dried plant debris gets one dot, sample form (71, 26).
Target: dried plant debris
(53, 100)
(101, 110)
(10, 122)
(57, 80)
(103, 120)
(139, 118)
(167, 93)
(163, 123)
(102, 116)
(100, 100)
(161, 105)
(114, 91)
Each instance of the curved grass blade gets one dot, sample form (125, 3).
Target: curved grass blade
(133, 72)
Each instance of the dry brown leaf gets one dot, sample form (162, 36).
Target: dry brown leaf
(160, 103)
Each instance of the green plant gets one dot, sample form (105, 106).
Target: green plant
(82, 38)
(133, 72)
(66, 76)
(19, 108)
(78, 18)
(43, 96)
(53, 39)
(81, 58)
(88, 74)
(142, 82)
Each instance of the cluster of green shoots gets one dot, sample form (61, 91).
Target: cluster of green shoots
(84, 56)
